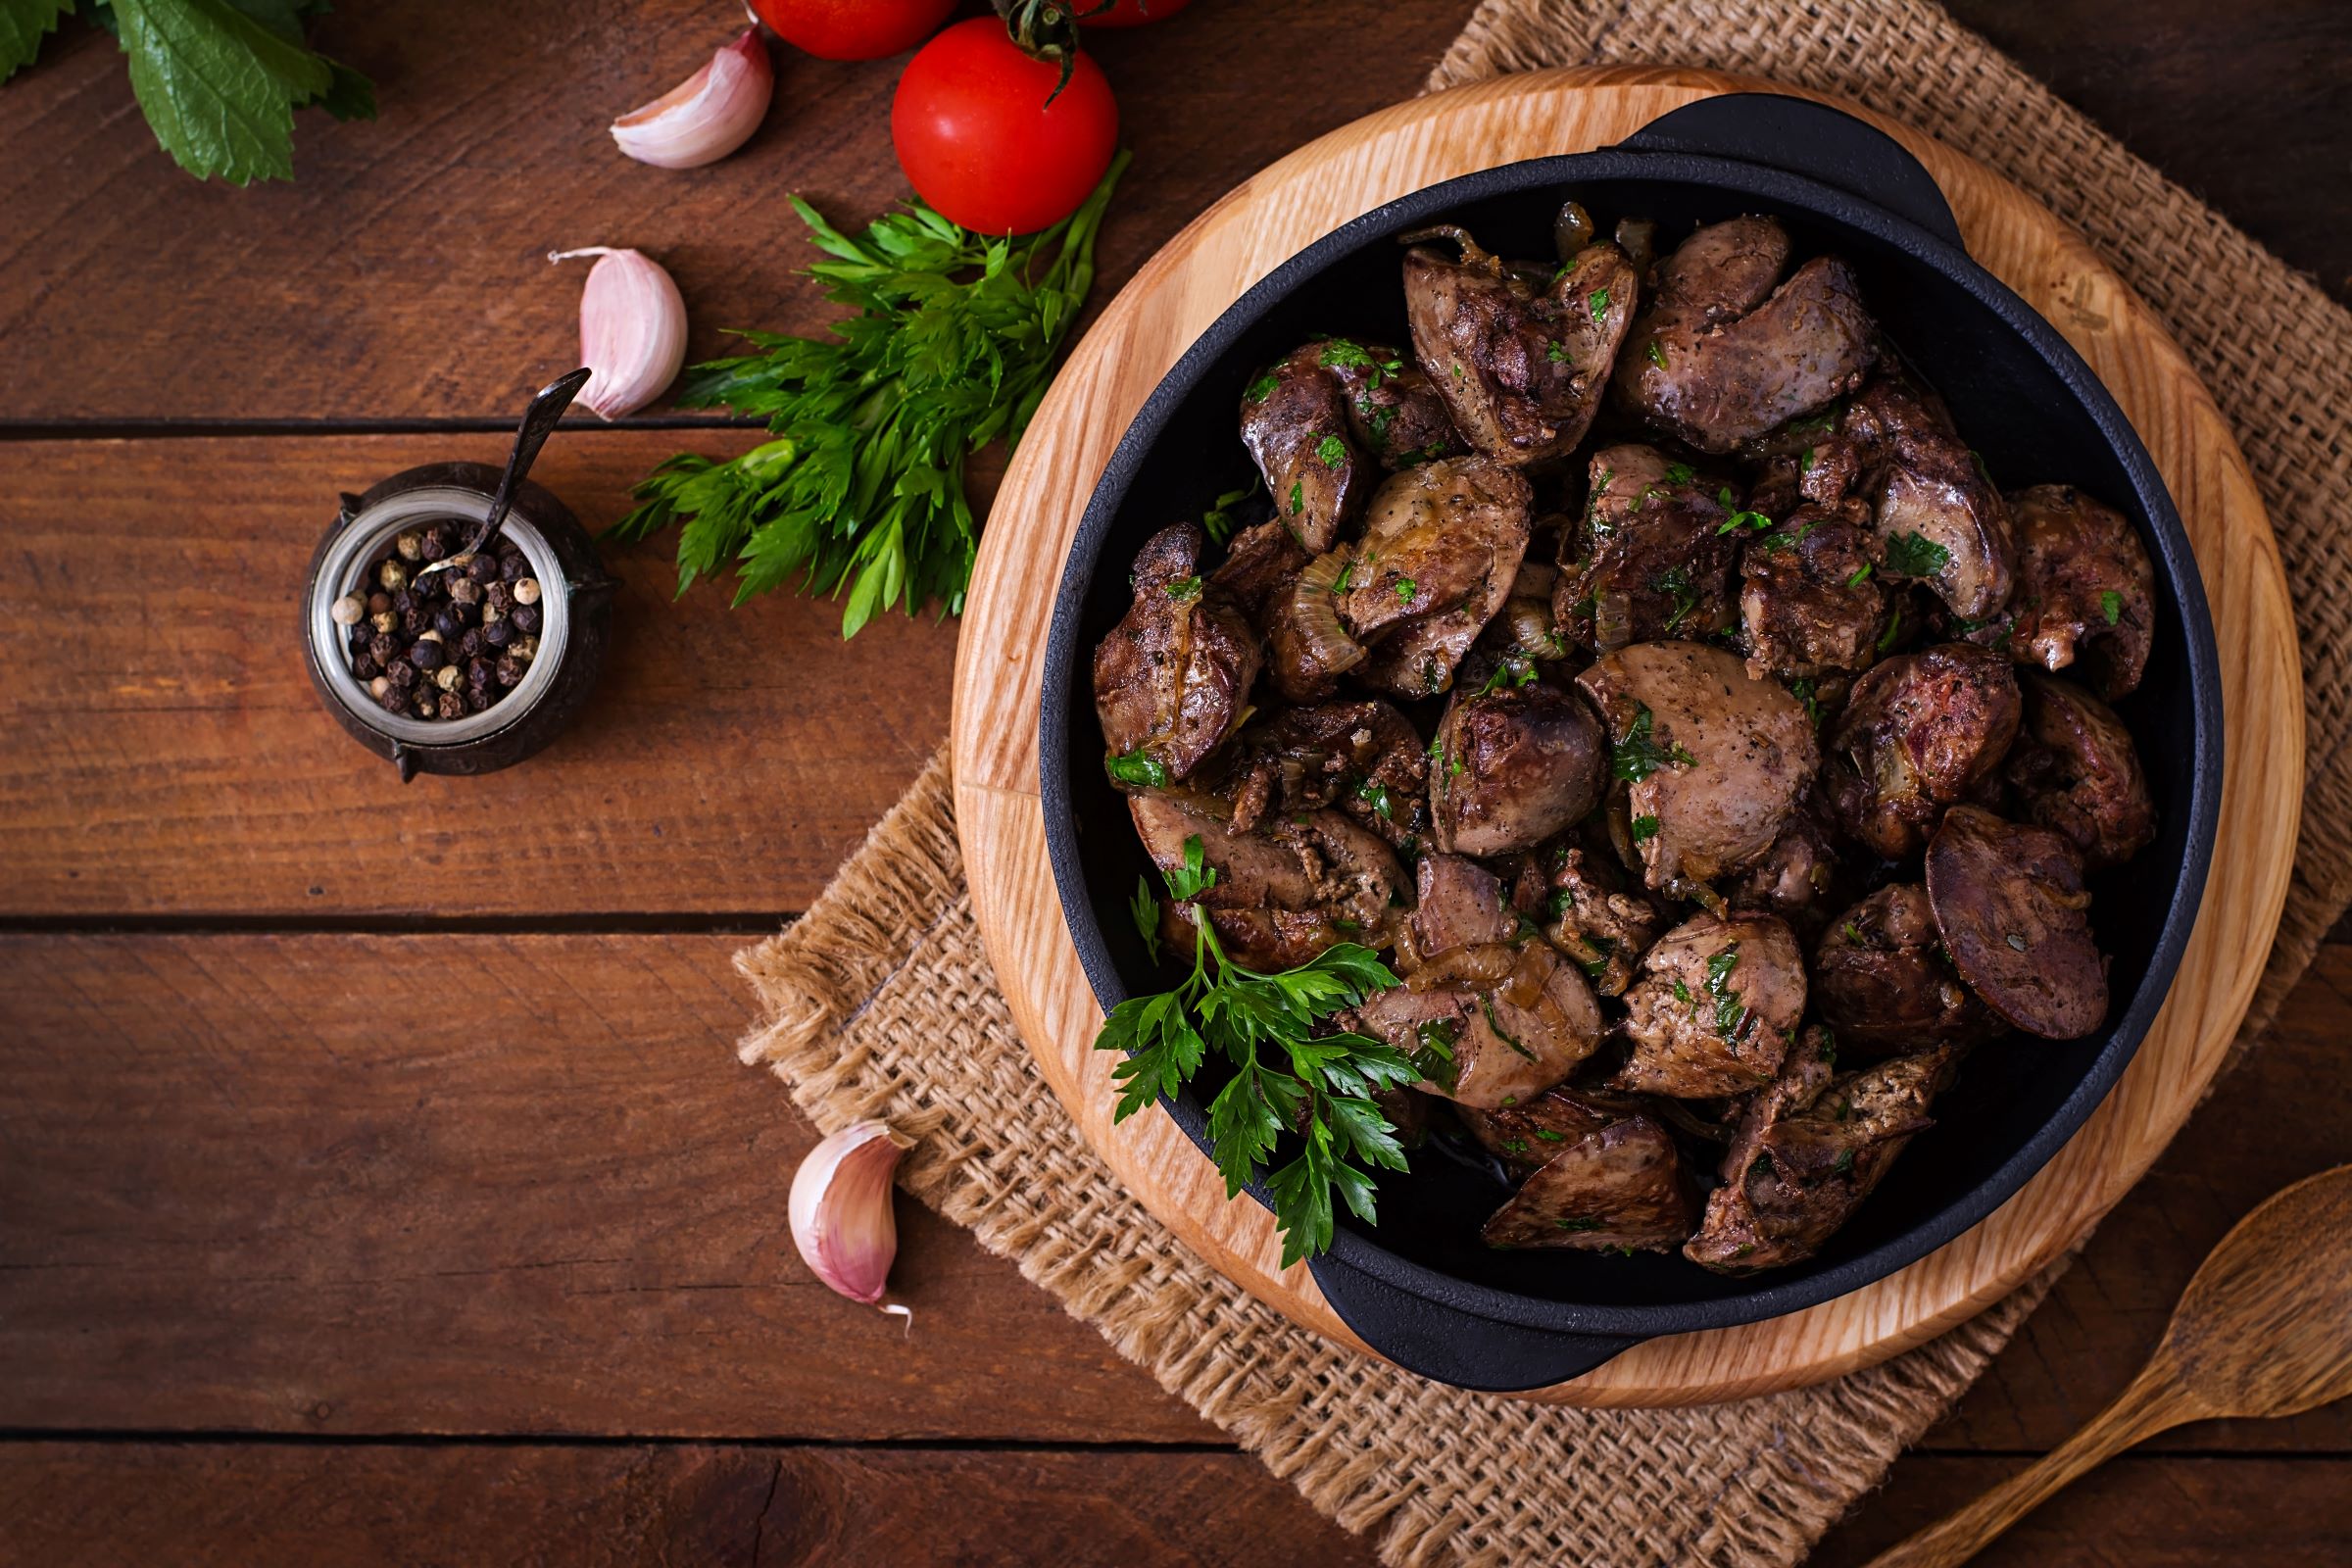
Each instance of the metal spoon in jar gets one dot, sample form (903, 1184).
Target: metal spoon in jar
(538, 424)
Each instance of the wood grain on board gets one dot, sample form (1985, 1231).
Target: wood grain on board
(1402, 149)
(67, 1504)
(166, 756)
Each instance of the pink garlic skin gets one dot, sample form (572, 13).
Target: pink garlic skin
(841, 1209)
(632, 330)
(705, 116)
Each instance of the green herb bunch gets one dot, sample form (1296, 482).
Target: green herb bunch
(862, 491)
(218, 81)
(1287, 1076)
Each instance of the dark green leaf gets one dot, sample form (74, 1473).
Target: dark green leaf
(1912, 555)
(23, 24)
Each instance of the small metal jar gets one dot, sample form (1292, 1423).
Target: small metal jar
(576, 598)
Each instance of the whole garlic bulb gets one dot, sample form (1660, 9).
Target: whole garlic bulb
(705, 116)
(632, 330)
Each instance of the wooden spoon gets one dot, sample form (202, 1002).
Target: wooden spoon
(2264, 1329)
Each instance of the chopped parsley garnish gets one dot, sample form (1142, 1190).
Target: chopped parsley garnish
(1514, 670)
(1557, 353)
(1804, 691)
(1730, 1013)
(1804, 461)
(1894, 623)
(1377, 795)
(1861, 576)
(1339, 584)
(2110, 606)
(1184, 589)
(1682, 992)
(1137, 767)
(1486, 1004)
(1406, 588)
(1551, 1136)
(1297, 496)
(1576, 1224)
(1603, 950)
(1341, 353)
(1260, 389)
(1433, 1053)
(1289, 1080)
(1657, 354)
(1744, 519)
(1675, 583)
(1789, 538)
(1217, 520)
(1912, 555)
(1597, 302)
(1637, 756)
(1844, 1161)
(1680, 473)
(1644, 828)
(1332, 450)
(1380, 419)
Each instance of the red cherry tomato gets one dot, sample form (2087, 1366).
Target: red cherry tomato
(978, 140)
(856, 29)
(1131, 13)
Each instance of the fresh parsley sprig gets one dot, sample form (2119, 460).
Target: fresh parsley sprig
(218, 81)
(862, 491)
(1286, 1077)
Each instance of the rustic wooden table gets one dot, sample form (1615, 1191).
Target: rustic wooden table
(376, 1180)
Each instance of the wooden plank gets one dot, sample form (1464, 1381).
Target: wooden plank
(2216, 96)
(2263, 1128)
(166, 756)
(2143, 1511)
(62, 1504)
(404, 273)
(461, 1183)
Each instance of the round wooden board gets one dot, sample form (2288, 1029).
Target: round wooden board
(1358, 167)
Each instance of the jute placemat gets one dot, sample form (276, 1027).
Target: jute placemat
(881, 1002)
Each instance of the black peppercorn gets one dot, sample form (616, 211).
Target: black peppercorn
(378, 602)
(436, 542)
(450, 704)
(525, 618)
(478, 701)
(447, 623)
(483, 568)
(425, 704)
(364, 668)
(382, 649)
(470, 642)
(498, 633)
(427, 655)
(403, 676)
(510, 670)
(392, 700)
(498, 596)
(512, 567)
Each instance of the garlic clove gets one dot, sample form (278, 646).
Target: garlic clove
(840, 1213)
(632, 330)
(705, 116)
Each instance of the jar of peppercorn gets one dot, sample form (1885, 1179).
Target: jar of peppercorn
(454, 666)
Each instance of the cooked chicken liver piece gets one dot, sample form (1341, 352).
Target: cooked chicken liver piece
(1514, 1020)
(1921, 731)
(1259, 566)
(1522, 368)
(1460, 905)
(1295, 423)
(1716, 758)
(1513, 766)
(1173, 676)
(1882, 983)
(1716, 1006)
(1585, 911)
(1650, 558)
(1525, 1136)
(1799, 869)
(1615, 1190)
(1395, 412)
(2085, 591)
(1942, 521)
(2010, 903)
(1720, 356)
(2076, 771)
(1809, 602)
(1281, 896)
(1809, 1150)
(1443, 544)
(1364, 758)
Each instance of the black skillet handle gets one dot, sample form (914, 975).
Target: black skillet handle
(1799, 136)
(1453, 1346)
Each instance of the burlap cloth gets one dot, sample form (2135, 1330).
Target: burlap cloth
(881, 1002)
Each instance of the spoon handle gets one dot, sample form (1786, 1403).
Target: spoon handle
(538, 424)
(2154, 1401)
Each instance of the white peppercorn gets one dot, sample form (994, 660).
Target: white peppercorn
(446, 677)
(393, 575)
(349, 610)
(409, 544)
(527, 590)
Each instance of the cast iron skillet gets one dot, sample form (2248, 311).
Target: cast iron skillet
(1420, 1288)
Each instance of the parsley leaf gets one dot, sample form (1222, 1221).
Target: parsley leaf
(1597, 302)
(1332, 450)
(1911, 555)
(218, 81)
(1657, 354)
(1286, 1077)
(1557, 353)
(862, 491)
(1406, 588)
(1644, 827)
(1218, 521)
(1260, 389)
(1184, 590)
(1137, 767)
(2110, 606)
(1730, 1013)
(1680, 473)
(1145, 910)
